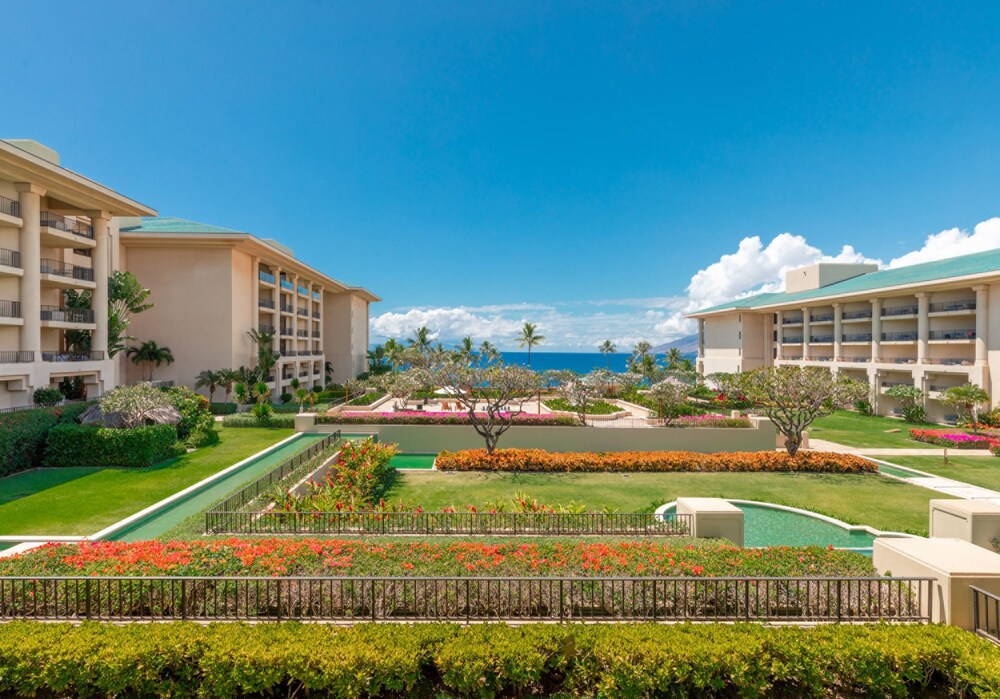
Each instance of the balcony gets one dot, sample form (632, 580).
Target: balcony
(856, 337)
(67, 316)
(67, 276)
(10, 207)
(266, 303)
(94, 356)
(792, 321)
(950, 361)
(287, 331)
(303, 290)
(10, 309)
(316, 334)
(952, 335)
(302, 311)
(792, 340)
(303, 374)
(820, 339)
(953, 306)
(265, 329)
(302, 333)
(316, 295)
(265, 277)
(10, 258)
(60, 232)
(821, 318)
(900, 337)
(890, 384)
(285, 284)
(898, 311)
(856, 315)
(316, 315)
(287, 308)
(16, 357)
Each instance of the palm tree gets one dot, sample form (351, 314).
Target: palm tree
(302, 395)
(466, 349)
(376, 359)
(228, 378)
(267, 357)
(242, 392)
(392, 351)
(608, 348)
(488, 351)
(422, 341)
(529, 339)
(150, 353)
(328, 371)
(674, 359)
(209, 379)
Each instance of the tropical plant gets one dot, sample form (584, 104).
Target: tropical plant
(966, 400)
(578, 391)
(47, 397)
(267, 356)
(529, 338)
(642, 360)
(242, 392)
(393, 348)
(262, 395)
(793, 397)
(302, 396)
(911, 401)
(150, 354)
(126, 298)
(466, 349)
(488, 352)
(400, 384)
(608, 348)
(209, 379)
(669, 397)
(227, 379)
(421, 340)
(327, 371)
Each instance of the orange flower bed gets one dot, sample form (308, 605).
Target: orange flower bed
(652, 461)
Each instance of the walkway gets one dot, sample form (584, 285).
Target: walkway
(823, 445)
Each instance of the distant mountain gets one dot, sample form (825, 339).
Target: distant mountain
(688, 345)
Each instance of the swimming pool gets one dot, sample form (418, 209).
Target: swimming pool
(420, 462)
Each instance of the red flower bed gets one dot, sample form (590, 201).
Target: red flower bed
(651, 461)
(954, 440)
(279, 557)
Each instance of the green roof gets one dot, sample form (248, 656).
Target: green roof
(172, 224)
(965, 265)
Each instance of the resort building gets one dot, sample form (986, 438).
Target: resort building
(211, 286)
(56, 237)
(933, 325)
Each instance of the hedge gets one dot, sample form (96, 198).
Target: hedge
(79, 445)
(250, 420)
(614, 660)
(22, 435)
(367, 398)
(954, 440)
(651, 461)
(436, 418)
(223, 408)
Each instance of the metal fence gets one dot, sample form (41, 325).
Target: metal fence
(467, 599)
(986, 614)
(253, 491)
(221, 521)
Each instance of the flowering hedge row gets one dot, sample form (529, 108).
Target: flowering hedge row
(513, 557)
(954, 440)
(541, 460)
(613, 660)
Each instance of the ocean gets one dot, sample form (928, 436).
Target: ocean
(580, 362)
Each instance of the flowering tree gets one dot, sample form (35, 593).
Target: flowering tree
(399, 385)
(579, 391)
(793, 397)
(670, 398)
(136, 405)
(486, 393)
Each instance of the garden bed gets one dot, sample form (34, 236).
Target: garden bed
(955, 440)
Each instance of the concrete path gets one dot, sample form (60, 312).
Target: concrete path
(823, 445)
(946, 486)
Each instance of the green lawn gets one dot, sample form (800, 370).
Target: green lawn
(78, 500)
(856, 499)
(983, 471)
(855, 430)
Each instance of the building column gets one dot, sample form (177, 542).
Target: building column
(923, 326)
(805, 333)
(701, 338)
(838, 326)
(276, 342)
(982, 321)
(876, 330)
(102, 273)
(30, 243)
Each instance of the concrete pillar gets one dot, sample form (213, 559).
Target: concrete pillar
(779, 335)
(923, 326)
(876, 330)
(713, 518)
(982, 320)
(975, 521)
(305, 422)
(805, 333)
(838, 327)
(102, 272)
(31, 261)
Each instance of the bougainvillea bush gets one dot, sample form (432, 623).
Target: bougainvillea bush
(651, 461)
(352, 557)
(954, 440)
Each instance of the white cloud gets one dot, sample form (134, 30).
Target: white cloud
(953, 242)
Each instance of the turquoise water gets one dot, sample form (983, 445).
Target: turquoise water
(898, 472)
(764, 526)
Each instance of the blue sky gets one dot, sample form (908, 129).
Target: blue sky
(574, 164)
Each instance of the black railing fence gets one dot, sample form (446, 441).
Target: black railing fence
(10, 258)
(11, 207)
(986, 614)
(466, 599)
(62, 223)
(219, 521)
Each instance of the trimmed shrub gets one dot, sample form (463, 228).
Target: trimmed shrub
(597, 407)
(222, 408)
(367, 398)
(22, 438)
(612, 660)
(251, 420)
(47, 397)
(651, 461)
(202, 437)
(80, 445)
(194, 410)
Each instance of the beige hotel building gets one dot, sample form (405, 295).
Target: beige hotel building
(933, 325)
(60, 231)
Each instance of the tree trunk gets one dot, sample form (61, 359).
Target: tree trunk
(792, 443)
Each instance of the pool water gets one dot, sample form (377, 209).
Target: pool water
(413, 461)
(765, 526)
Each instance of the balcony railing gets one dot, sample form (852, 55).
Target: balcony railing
(265, 303)
(316, 295)
(950, 361)
(899, 311)
(316, 333)
(285, 330)
(952, 335)
(16, 357)
(890, 384)
(68, 315)
(93, 355)
(265, 277)
(985, 614)
(303, 290)
(51, 220)
(287, 308)
(856, 315)
(899, 337)
(10, 309)
(821, 318)
(61, 269)
(303, 374)
(899, 360)
(315, 314)
(302, 311)
(791, 321)
(11, 207)
(10, 258)
(302, 333)
(857, 337)
(792, 340)
(285, 284)
(265, 329)
(948, 306)
(821, 339)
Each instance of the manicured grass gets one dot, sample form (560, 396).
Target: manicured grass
(75, 501)
(855, 430)
(983, 471)
(854, 498)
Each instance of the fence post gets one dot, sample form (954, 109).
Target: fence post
(86, 594)
(183, 599)
(468, 600)
(839, 596)
(373, 599)
(278, 605)
(562, 604)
